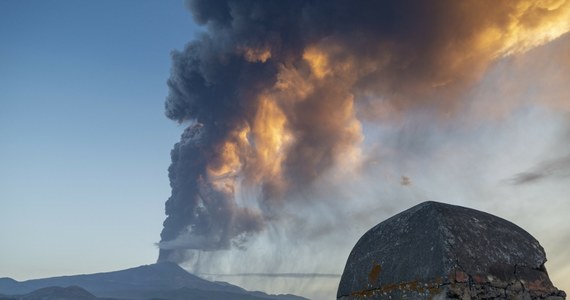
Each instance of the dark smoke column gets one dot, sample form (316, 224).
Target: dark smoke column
(188, 163)
(273, 93)
(215, 85)
(202, 212)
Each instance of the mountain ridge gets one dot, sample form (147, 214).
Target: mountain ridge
(164, 280)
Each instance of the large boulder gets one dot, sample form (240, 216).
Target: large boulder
(441, 251)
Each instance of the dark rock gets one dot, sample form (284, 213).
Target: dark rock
(441, 251)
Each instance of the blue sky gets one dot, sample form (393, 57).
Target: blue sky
(84, 141)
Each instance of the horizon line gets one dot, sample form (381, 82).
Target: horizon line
(293, 275)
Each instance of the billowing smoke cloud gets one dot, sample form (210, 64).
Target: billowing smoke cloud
(276, 93)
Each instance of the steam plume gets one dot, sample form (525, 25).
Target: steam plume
(275, 92)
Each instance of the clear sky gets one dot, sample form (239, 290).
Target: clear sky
(84, 142)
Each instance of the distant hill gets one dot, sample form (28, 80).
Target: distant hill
(157, 281)
(59, 293)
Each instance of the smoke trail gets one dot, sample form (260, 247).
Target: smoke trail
(275, 92)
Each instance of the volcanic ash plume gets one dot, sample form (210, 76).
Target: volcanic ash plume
(274, 93)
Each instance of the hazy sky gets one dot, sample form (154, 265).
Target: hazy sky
(84, 141)
(85, 144)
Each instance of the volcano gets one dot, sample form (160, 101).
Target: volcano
(164, 280)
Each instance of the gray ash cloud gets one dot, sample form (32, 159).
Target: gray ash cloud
(274, 92)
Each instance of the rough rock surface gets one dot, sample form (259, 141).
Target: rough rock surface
(441, 251)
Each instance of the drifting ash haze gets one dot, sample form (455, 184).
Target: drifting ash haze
(306, 118)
